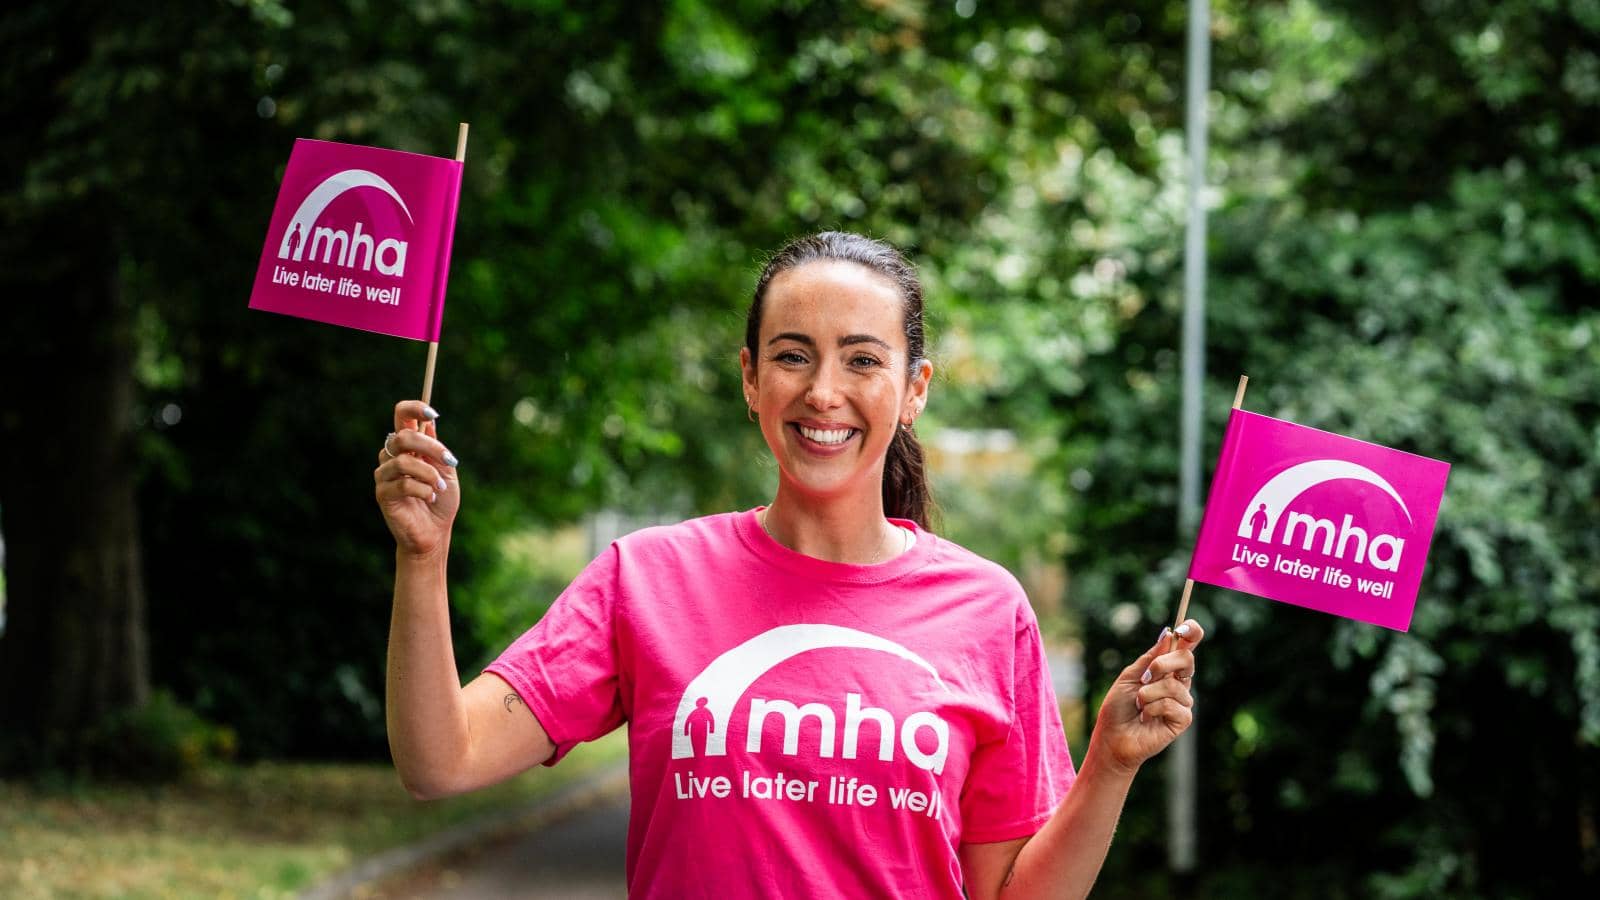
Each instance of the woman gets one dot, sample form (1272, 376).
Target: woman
(823, 697)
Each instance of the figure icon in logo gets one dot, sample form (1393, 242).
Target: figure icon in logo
(294, 242)
(1258, 523)
(702, 723)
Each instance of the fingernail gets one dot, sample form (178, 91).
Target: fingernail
(1163, 635)
(429, 411)
(442, 485)
(450, 459)
(1183, 630)
(1145, 678)
(433, 498)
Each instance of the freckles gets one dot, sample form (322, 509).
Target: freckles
(879, 389)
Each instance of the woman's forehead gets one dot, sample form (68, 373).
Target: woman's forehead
(828, 296)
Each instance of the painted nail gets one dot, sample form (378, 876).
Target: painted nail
(450, 459)
(442, 485)
(433, 498)
(1145, 678)
(429, 411)
(1183, 630)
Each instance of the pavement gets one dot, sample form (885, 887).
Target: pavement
(577, 858)
(570, 847)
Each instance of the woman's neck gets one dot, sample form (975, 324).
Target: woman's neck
(841, 531)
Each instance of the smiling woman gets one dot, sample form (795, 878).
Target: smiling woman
(838, 699)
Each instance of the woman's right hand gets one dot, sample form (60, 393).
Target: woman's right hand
(417, 488)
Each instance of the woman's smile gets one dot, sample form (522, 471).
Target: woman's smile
(824, 442)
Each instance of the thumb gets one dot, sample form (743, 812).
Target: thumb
(1137, 667)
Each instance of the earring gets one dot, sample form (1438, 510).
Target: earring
(749, 410)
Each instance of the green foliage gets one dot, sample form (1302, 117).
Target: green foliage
(159, 741)
(530, 569)
(1402, 252)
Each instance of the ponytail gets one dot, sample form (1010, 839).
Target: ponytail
(905, 481)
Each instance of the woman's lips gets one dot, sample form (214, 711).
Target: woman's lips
(821, 449)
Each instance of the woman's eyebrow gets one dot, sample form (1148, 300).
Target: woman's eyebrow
(845, 341)
(849, 339)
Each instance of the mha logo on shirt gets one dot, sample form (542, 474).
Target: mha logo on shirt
(710, 700)
(832, 731)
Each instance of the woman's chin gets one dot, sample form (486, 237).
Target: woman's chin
(828, 480)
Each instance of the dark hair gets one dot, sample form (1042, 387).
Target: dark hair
(905, 480)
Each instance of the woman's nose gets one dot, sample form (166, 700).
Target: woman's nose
(823, 394)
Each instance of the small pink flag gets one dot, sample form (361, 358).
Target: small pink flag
(1319, 520)
(360, 237)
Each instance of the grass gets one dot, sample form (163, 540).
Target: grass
(268, 829)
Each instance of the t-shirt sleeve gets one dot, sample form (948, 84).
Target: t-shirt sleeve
(566, 666)
(1016, 782)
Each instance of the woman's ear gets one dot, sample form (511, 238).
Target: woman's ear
(917, 397)
(747, 373)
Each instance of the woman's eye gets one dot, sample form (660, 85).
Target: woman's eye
(787, 356)
(867, 359)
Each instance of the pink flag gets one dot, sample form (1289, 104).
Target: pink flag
(360, 237)
(1319, 520)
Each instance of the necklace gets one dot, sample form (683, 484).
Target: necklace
(904, 543)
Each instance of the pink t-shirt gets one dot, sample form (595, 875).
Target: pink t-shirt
(798, 727)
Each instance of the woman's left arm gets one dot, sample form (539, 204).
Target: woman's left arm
(1141, 715)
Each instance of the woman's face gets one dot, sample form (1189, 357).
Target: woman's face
(832, 365)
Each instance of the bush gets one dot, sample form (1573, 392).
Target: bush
(159, 741)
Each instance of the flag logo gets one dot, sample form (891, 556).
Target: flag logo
(360, 237)
(389, 255)
(1319, 520)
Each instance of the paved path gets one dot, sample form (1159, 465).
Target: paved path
(577, 856)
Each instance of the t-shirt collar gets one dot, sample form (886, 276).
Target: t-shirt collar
(763, 545)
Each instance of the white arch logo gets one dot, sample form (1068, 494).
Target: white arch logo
(1261, 514)
(713, 694)
(339, 247)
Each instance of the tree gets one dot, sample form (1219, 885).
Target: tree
(75, 646)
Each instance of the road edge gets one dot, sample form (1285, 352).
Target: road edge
(608, 782)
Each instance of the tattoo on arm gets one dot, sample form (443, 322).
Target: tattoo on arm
(513, 699)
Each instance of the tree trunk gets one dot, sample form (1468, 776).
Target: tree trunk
(75, 646)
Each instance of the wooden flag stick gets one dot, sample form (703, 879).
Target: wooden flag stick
(1188, 583)
(433, 346)
(427, 376)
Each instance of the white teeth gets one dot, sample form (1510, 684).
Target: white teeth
(832, 436)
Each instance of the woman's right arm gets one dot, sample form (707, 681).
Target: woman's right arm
(446, 739)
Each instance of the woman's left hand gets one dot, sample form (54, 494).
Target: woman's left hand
(1151, 702)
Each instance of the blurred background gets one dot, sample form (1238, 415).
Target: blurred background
(1404, 203)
